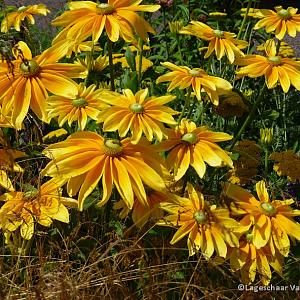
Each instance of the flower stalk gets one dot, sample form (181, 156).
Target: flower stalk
(111, 65)
(249, 117)
(244, 19)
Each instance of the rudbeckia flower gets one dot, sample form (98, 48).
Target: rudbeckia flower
(279, 21)
(137, 114)
(195, 146)
(118, 18)
(7, 163)
(146, 63)
(249, 260)
(272, 221)
(27, 84)
(221, 42)
(209, 229)
(142, 213)
(274, 67)
(83, 104)
(14, 19)
(86, 157)
(184, 77)
(22, 209)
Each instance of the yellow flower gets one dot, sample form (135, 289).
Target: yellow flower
(184, 77)
(191, 145)
(27, 84)
(209, 229)
(14, 19)
(249, 261)
(231, 105)
(6, 117)
(93, 65)
(217, 14)
(22, 209)
(280, 21)
(80, 106)
(287, 163)
(55, 134)
(220, 42)
(7, 163)
(246, 166)
(266, 135)
(272, 220)
(86, 157)
(274, 67)
(137, 114)
(175, 26)
(142, 213)
(119, 18)
(285, 50)
(253, 12)
(146, 63)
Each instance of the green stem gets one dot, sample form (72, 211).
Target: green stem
(111, 65)
(186, 104)
(179, 49)
(249, 117)
(244, 20)
(165, 33)
(278, 47)
(266, 159)
(140, 62)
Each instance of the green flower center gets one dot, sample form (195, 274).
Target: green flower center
(30, 195)
(22, 8)
(219, 33)
(80, 102)
(105, 8)
(190, 138)
(268, 208)
(200, 217)
(136, 107)
(284, 14)
(29, 68)
(112, 147)
(194, 72)
(249, 236)
(276, 60)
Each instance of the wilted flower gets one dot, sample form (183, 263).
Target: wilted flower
(231, 105)
(23, 209)
(287, 163)
(246, 166)
(7, 163)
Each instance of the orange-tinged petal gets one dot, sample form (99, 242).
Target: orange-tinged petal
(182, 232)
